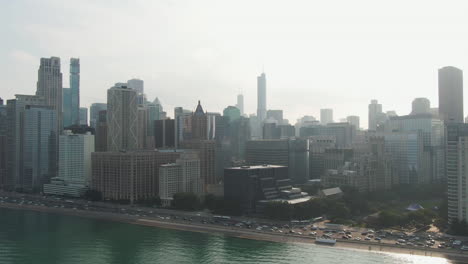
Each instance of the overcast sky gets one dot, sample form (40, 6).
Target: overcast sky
(316, 54)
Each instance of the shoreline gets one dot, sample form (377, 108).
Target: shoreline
(242, 233)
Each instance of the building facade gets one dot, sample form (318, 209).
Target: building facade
(451, 94)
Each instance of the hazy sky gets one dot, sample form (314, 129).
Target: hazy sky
(316, 54)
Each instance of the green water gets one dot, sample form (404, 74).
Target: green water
(35, 237)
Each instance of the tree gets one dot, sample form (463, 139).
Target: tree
(278, 210)
(186, 201)
(154, 201)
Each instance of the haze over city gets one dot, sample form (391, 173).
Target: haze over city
(333, 54)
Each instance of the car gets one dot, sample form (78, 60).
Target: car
(367, 238)
(378, 238)
(313, 228)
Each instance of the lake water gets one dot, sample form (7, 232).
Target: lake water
(36, 237)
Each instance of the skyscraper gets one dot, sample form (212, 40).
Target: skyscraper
(261, 97)
(451, 94)
(326, 116)
(49, 86)
(122, 118)
(66, 106)
(375, 114)
(75, 91)
(137, 85)
(240, 103)
(100, 142)
(353, 120)
(199, 124)
(83, 116)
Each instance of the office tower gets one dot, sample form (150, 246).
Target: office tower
(101, 132)
(256, 127)
(137, 85)
(344, 133)
(75, 91)
(276, 115)
(239, 134)
(432, 131)
(67, 112)
(39, 149)
(142, 129)
(122, 118)
(233, 113)
(164, 133)
(74, 172)
(199, 124)
(375, 115)
(155, 112)
(211, 124)
(420, 106)
(49, 86)
(240, 103)
(83, 116)
(129, 175)
(261, 97)
(207, 154)
(353, 120)
(456, 149)
(326, 116)
(451, 94)
(292, 153)
(181, 176)
(94, 113)
(317, 147)
(183, 125)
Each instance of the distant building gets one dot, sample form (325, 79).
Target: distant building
(240, 103)
(74, 165)
(131, 176)
(199, 124)
(207, 154)
(164, 133)
(137, 85)
(183, 125)
(326, 116)
(317, 147)
(5, 181)
(94, 113)
(451, 94)
(276, 115)
(292, 153)
(122, 118)
(75, 91)
(344, 133)
(421, 106)
(354, 120)
(376, 116)
(233, 113)
(261, 97)
(100, 141)
(142, 129)
(83, 116)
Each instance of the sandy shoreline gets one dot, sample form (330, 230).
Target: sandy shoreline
(242, 233)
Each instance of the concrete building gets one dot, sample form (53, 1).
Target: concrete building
(83, 116)
(420, 106)
(129, 175)
(276, 115)
(183, 125)
(456, 170)
(451, 94)
(75, 91)
(74, 175)
(66, 101)
(261, 97)
(142, 129)
(181, 176)
(199, 124)
(122, 118)
(291, 153)
(94, 113)
(354, 121)
(233, 113)
(326, 116)
(317, 147)
(207, 154)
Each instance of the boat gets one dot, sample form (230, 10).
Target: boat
(327, 241)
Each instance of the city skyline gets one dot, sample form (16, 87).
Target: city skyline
(328, 67)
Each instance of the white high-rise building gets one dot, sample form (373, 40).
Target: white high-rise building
(261, 97)
(74, 165)
(181, 176)
(326, 116)
(137, 85)
(353, 120)
(122, 118)
(240, 103)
